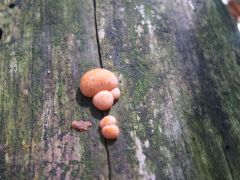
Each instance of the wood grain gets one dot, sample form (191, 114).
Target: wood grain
(179, 66)
(45, 48)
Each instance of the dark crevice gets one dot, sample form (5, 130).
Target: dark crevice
(12, 5)
(101, 65)
(106, 143)
(109, 161)
(96, 30)
(1, 33)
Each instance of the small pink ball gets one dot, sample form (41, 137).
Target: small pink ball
(103, 100)
(116, 93)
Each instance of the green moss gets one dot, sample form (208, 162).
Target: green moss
(74, 162)
(75, 173)
(148, 10)
(44, 27)
(141, 89)
(211, 123)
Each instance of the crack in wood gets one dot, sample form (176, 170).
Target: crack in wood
(101, 65)
(1, 33)
(109, 161)
(12, 5)
(107, 151)
(96, 29)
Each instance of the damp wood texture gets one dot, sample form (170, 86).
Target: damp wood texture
(179, 66)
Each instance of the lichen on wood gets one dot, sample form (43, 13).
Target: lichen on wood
(46, 46)
(180, 102)
(178, 63)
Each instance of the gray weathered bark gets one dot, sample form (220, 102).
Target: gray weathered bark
(179, 66)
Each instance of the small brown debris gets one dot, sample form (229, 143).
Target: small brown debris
(81, 125)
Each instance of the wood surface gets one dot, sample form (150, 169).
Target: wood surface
(178, 62)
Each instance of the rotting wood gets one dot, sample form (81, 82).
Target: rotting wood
(45, 48)
(179, 66)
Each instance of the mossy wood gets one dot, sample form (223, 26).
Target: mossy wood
(179, 67)
(45, 48)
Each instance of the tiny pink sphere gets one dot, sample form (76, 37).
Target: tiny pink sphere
(107, 120)
(110, 131)
(103, 100)
(116, 93)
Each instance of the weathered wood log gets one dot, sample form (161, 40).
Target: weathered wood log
(179, 66)
(45, 48)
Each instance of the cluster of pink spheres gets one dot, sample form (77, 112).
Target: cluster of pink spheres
(102, 86)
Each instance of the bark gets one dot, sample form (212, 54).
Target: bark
(45, 48)
(179, 67)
